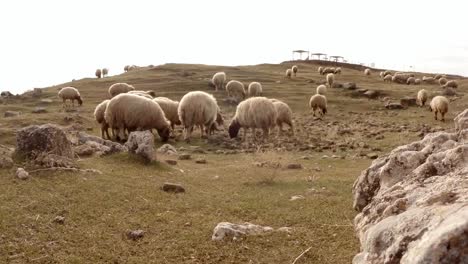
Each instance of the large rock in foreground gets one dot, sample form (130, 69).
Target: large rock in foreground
(413, 203)
(141, 143)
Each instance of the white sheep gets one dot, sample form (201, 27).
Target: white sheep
(367, 72)
(386, 72)
(417, 81)
(99, 116)
(401, 78)
(170, 109)
(132, 67)
(330, 79)
(288, 73)
(318, 102)
(337, 70)
(98, 73)
(438, 76)
(320, 69)
(439, 104)
(118, 88)
(131, 112)
(218, 80)
(253, 113)
(105, 72)
(197, 108)
(327, 70)
(388, 78)
(442, 81)
(422, 97)
(70, 93)
(255, 89)
(235, 89)
(141, 93)
(428, 79)
(381, 74)
(321, 89)
(294, 69)
(451, 83)
(284, 115)
(411, 80)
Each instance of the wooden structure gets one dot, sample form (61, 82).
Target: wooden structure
(300, 52)
(337, 58)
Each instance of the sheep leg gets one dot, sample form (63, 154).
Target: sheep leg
(443, 116)
(435, 114)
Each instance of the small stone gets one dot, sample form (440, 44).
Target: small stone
(22, 174)
(171, 162)
(305, 157)
(167, 149)
(11, 114)
(59, 219)
(200, 161)
(46, 101)
(135, 234)
(294, 166)
(285, 229)
(379, 137)
(185, 156)
(39, 110)
(296, 197)
(372, 155)
(325, 157)
(172, 187)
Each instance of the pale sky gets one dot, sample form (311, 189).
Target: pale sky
(50, 42)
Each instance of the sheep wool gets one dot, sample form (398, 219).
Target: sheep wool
(388, 78)
(367, 72)
(218, 80)
(451, 84)
(118, 88)
(235, 89)
(105, 72)
(141, 93)
(99, 116)
(411, 80)
(288, 73)
(170, 109)
(417, 81)
(442, 81)
(439, 104)
(337, 70)
(98, 73)
(318, 102)
(320, 70)
(255, 89)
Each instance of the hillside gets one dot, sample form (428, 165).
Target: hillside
(241, 182)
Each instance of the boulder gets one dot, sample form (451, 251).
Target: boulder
(11, 114)
(371, 94)
(5, 157)
(337, 85)
(141, 143)
(412, 203)
(46, 101)
(36, 92)
(350, 86)
(172, 187)
(98, 145)
(408, 101)
(230, 231)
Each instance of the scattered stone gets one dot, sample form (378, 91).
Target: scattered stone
(448, 91)
(172, 187)
(294, 166)
(46, 101)
(5, 157)
(22, 174)
(371, 94)
(350, 86)
(185, 156)
(393, 106)
(200, 161)
(39, 110)
(135, 234)
(337, 85)
(285, 229)
(296, 197)
(362, 90)
(141, 143)
(372, 155)
(226, 230)
(408, 101)
(36, 92)
(379, 137)
(100, 146)
(59, 220)
(6, 94)
(11, 114)
(171, 162)
(167, 149)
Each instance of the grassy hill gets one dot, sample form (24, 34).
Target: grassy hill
(245, 185)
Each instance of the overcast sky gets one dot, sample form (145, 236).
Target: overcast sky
(50, 42)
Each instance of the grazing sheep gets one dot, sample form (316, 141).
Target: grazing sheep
(401, 78)
(288, 73)
(126, 68)
(428, 79)
(387, 72)
(328, 70)
(330, 79)
(118, 88)
(105, 72)
(411, 80)
(294, 69)
(451, 84)
(442, 81)
(98, 73)
(132, 67)
(318, 102)
(218, 80)
(255, 89)
(70, 93)
(438, 76)
(321, 89)
(388, 78)
(417, 81)
(320, 70)
(132, 112)
(214, 126)
(422, 97)
(439, 104)
(337, 70)
(99, 116)
(253, 113)
(235, 89)
(170, 109)
(284, 115)
(197, 109)
(141, 93)
(367, 72)
(381, 75)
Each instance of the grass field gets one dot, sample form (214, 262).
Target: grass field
(100, 208)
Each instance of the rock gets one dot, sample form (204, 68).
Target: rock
(448, 91)
(379, 137)
(226, 230)
(84, 150)
(172, 187)
(372, 155)
(48, 139)
(141, 143)
(350, 86)
(296, 197)
(135, 234)
(167, 149)
(200, 161)
(39, 110)
(36, 92)
(11, 114)
(362, 90)
(59, 220)
(371, 94)
(337, 85)
(412, 203)
(393, 106)
(46, 101)
(22, 174)
(171, 162)
(408, 101)
(185, 156)
(294, 166)
(285, 229)
(5, 157)
(98, 145)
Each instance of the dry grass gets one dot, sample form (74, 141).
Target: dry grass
(99, 209)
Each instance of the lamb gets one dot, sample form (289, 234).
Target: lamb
(132, 112)
(284, 115)
(255, 89)
(235, 89)
(105, 72)
(388, 78)
(214, 126)
(218, 80)
(141, 93)
(422, 97)
(318, 102)
(99, 116)
(70, 93)
(410, 80)
(337, 70)
(442, 81)
(321, 89)
(98, 73)
(367, 72)
(330, 79)
(170, 109)
(294, 69)
(197, 108)
(118, 88)
(451, 83)
(320, 70)
(428, 79)
(253, 113)
(288, 73)
(417, 81)
(439, 104)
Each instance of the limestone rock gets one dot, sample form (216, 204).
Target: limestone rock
(408, 101)
(135, 234)
(393, 106)
(98, 145)
(141, 143)
(226, 230)
(171, 162)
(172, 187)
(185, 156)
(22, 174)
(11, 114)
(294, 166)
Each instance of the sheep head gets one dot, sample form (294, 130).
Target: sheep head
(80, 102)
(164, 133)
(234, 128)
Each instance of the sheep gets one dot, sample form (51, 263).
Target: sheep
(442, 81)
(132, 67)
(105, 72)
(288, 73)
(367, 72)
(294, 69)
(321, 89)
(70, 93)
(98, 73)
(417, 81)
(284, 115)
(438, 76)
(255, 89)
(330, 79)
(132, 112)
(318, 102)
(253, 113)
(170, 109)
(126, 68)
(141, 93)
(401, 78)
(410, 80)
(428, 79)
(385, 73)
(235, 89)
(381, 74)
(388, 78)
(218, 80)
(337, 70)
(99, 116)
(422, 97)
(118, 88)
(328, 70)
(197, 108)
(320, 70)
(451, 83)
(439, 104)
